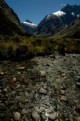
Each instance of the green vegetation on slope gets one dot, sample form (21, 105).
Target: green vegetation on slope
(69, 45)
(18, 47)
(22, 47)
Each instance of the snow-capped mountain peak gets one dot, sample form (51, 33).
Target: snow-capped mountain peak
(59, 13)
(29, 23)
(29, 26)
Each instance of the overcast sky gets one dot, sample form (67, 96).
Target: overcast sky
(36, 10)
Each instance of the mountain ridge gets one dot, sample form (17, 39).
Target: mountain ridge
(72, 31)
(9, 21)
(68, 14)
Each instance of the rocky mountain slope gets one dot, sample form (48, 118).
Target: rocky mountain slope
(9, 21)
(51, 24)
(72, 31)
(55, 22)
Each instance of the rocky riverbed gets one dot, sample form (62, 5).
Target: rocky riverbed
(41, 89)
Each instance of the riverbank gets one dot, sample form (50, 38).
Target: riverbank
(41, 89)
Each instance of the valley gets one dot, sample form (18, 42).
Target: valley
(40, 66)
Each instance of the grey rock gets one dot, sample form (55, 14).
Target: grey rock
(42, 73)
(52, 56)
(62, 92)
(14, 79)
(78, 84)
(26, 94)
(63, 98)
(52, 116)
(35, 116)
(63, 87)
(2, 106)
(78, 118)
(18, 72)
(43, 116)
(2, 73)
(17, 116)
(24, 111)
(25, 119)
(42, 91)
(20, 68)
(18, 86)
(5, 90)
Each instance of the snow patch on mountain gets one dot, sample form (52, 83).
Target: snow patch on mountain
(59, 13)
(73, 13)
(78, 15)
(29, 24)
(48, 16)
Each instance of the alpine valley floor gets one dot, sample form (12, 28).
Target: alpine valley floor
(41, 89)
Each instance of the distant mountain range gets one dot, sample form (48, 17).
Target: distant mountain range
(54, 22)
(29, 26)
(9, 21)
(66, 22)
(63, 26)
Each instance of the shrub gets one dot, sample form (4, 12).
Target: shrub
(16, 38)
